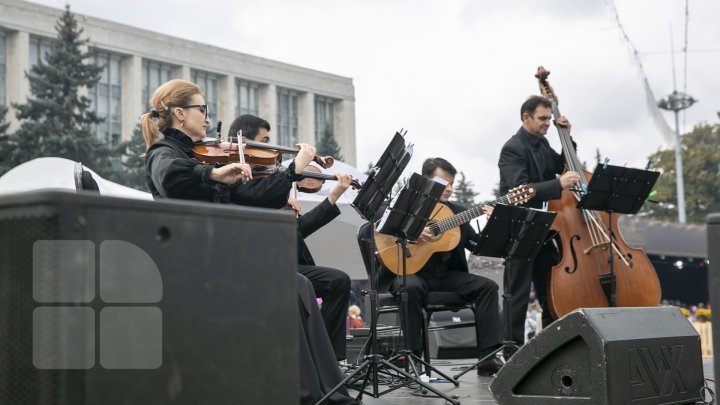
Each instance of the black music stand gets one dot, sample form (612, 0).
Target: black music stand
(515, 232)
(405, 218)
(371, 196)
(616, 190)
(382, 177)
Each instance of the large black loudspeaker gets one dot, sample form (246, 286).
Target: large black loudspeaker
(713, 249)
(457, 343)
(607, 356)
(116, 301)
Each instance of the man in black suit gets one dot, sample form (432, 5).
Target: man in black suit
(331, 285)
(528, 158)
(448, 271)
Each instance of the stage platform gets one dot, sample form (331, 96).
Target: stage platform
(472, 390)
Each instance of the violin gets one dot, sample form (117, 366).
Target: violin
(265, 159)
(314, 179)
(215, 151)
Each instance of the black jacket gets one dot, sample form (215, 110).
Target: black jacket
(315, 219)
(173, 172)
(526, 158)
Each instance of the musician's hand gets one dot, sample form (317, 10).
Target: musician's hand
(231, 173)
(424, 236)
(304, 157)
(569, 179)
(563, 122)
(343, 183)
(293, 205)
(487, 210)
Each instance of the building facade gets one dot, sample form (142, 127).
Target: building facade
(300, 104)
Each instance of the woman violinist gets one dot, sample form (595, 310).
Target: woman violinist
(178, 119)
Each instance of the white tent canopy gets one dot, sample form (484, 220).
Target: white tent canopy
(54, 172)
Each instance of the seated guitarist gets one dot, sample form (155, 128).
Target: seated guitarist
(448, 271)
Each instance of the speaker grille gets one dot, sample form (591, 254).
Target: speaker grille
(20, 382)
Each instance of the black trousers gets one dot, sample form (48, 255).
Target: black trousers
(319, 371)
(333, 286)
(481, 291)
(517, 278)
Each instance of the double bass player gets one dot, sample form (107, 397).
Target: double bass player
(528, 158)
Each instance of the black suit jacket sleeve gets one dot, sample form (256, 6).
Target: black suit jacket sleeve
(514, 162)
(173, 175)
(317, 217)
(269, 192)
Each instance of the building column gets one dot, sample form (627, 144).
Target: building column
(268, 105)
(226, 99)
(131, 93)
(17, 63)
(306, 118)
(182, 72)
(344, 128)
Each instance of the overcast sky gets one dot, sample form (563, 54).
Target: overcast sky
(454, 73)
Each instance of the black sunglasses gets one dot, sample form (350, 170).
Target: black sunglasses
(203, 108)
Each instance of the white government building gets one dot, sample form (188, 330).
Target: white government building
(300, 104)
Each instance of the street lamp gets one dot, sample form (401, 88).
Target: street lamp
(677, 102)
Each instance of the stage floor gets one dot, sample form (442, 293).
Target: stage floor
(472, 390)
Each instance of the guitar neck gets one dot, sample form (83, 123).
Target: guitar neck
(462, 218)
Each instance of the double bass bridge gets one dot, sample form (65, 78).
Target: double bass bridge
(602, 245)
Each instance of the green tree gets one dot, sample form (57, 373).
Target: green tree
(701, 170)
(464, 193)
(132, 161)
(56, 120)
(328, 146)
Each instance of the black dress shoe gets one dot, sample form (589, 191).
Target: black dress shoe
(489, 367)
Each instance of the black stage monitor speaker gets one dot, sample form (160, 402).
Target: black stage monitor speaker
(118, 301)
(607, 356)
(456, 343)
(713, 249)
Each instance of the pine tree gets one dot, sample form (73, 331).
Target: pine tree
(56, 120)
(328, 146)
(132, 154)
(464, 193)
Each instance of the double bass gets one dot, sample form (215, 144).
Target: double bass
(584, 276)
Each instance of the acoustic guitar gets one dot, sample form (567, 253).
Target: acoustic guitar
(444, 226)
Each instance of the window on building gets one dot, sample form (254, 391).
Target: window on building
(2, 68)
(208, 84)
(247, 98)
(287, 119)
(39, 48)
(153, 75)
(324, 117)
(106, 97)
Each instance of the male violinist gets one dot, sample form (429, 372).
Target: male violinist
(332, 285)
(528, 158)
(448, 271)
